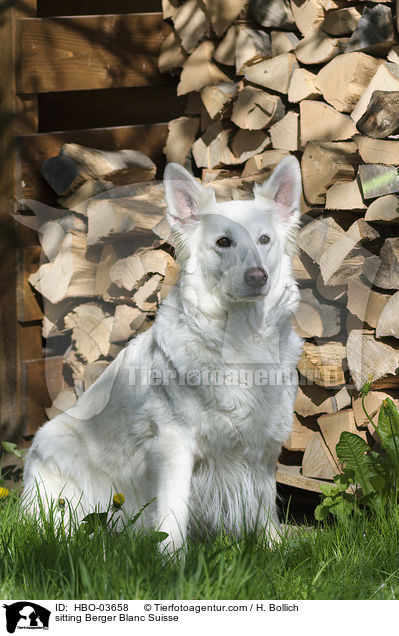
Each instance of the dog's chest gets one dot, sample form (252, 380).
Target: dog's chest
(237, 419)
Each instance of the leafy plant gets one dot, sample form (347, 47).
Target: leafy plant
(11, 471)
(370, 478)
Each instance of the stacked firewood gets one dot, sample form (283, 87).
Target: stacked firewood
(319, 79)
(106, 261)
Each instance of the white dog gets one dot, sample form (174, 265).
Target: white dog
(194, 411)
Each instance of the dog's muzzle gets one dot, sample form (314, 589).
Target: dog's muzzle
(255, 277)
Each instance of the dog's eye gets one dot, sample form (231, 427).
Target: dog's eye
(263, 239)
(224, 241)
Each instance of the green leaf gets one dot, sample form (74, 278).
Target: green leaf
(135, 517)
(10, 447)
(345, 479)
(321, 512)
(388, 420)
(95, 520)
(351, 450)
(157, 537)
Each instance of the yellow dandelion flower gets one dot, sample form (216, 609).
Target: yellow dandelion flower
(118, 500)
(4, 492)
(61, 503)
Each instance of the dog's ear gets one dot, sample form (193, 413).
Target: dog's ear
(284, 187)
(186, 199)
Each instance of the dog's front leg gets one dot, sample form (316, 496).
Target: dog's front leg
(175, 459)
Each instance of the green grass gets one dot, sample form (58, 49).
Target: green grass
(347, 560)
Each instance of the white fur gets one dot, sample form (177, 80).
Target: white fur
(206, 452)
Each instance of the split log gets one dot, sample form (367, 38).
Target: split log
(335, 259)
(314, 319)
(169, 8)
(250, 45)
(345, 196)
(223, 12)
(388, 321)
(274, 73)
(299, 436)
(127, 320)
(73, 370)
(215, 98)
(273, 13)
(171, 56)
(374, 31)
(372, 402)
(381, 117)
(352, 265)
(302, 86)
(364, 303)
(86, 191)
(182, 133)
(317, 462)
(70, 274)
(91, 329)
(93, 371)
(283, 42)
(383, 270)
(191, 24)
(255, 109)
(108, 258)
(75, 164)
(332, 426)
(303, 268)
(369, 357)
(52, 233)
(199, 70)
(147, 298)
(344, 80)
(378, 150)
(247, 143)
(323, 364)
(336, 293)
(285, 133)
(321, 122)
(318, 235)
(309, 14)
(341, 22)
(264, 162)
(216, 147)
(53, 315)
(315, 400)
(385, 78)
(63, 401)
(115, 217)
(170, 279)
(384, 209)
(225, 52)
(323, 164)
(318, 48)
(376, 180)
(129, 272)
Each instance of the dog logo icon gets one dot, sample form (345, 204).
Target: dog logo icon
(26, 615)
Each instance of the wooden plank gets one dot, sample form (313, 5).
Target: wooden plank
(47, 8)
(30, 341)
(12, 114)
(42, 379)
(110, 107)
(28, 307)
(90, 52)
(34, 149)
(291, 476)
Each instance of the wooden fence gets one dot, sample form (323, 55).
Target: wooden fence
(66, 75)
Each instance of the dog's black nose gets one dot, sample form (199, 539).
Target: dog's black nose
(255, 277)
